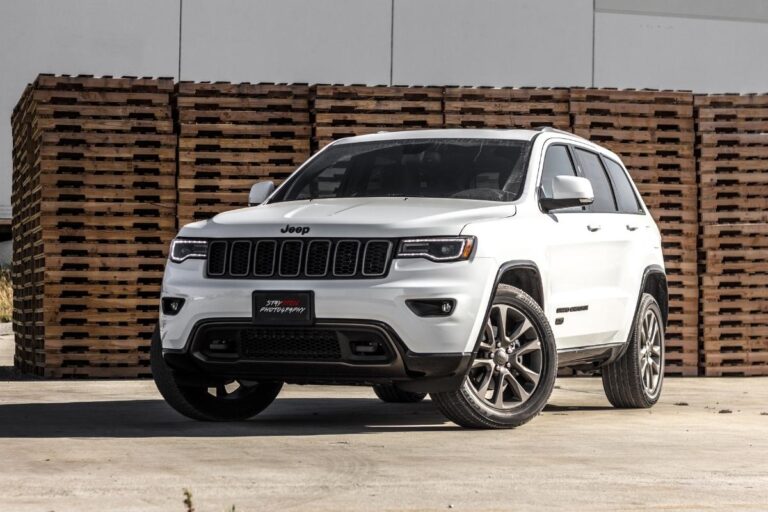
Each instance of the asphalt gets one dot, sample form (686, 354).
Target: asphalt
(114, 445)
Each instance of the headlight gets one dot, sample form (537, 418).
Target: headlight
(437, 249)
(184, 248)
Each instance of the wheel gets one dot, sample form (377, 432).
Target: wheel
(634, 380)
(514, 371)
(221, 400)
(390, 393)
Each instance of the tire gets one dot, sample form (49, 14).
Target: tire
(626, 380)
(232, 400)
(391, 394)
(502, 363)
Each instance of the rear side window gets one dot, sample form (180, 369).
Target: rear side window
(625, 195)
(557, 162)
(593, 170)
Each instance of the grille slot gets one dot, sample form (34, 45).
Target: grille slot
(345, 259)
(290, 344)
(290, 258)
(312, 258)
(264, 259)
(217, 258)
(240, 258)
(318, 254)
(376, 257)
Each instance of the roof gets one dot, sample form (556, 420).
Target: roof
(451, 133)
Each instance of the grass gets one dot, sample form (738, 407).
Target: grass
(6, 295)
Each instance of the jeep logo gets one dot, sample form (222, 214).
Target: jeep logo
(301, 230)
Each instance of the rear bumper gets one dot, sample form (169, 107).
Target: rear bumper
(393, 363)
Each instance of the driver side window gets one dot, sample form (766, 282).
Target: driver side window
(557, 162)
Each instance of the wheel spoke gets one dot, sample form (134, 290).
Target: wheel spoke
(530, 375)
(521, 329)
(501, 385)
(518, 389)
(531, 346)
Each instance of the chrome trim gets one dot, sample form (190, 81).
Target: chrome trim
(386, 258)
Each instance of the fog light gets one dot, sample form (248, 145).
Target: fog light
(172, 305)
(432, 307)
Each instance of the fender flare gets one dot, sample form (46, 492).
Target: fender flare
(506, 266)
(649, 270)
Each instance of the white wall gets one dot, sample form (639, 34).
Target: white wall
(493, 42)
(96, 37)
(294, 41)
(703, 45)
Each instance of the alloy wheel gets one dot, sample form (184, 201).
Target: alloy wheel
(650, 354)
(510, 360)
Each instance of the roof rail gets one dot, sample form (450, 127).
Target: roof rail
(555, 130)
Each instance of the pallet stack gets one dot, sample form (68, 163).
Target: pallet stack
(653, 132)
(485, 107)
(233, 135)
(345, 110)
(732, 147)
(94, 193)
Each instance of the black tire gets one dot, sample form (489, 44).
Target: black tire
(624, 379)
(392, 394)
(194, 400)
(465, 407)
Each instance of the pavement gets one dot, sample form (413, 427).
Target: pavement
(114, 445)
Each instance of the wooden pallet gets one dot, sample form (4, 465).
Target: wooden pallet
(734, 310)
(95, 205)
(652, 131)
(484, 107)
(346, 110)
(233, 135)
(732, 151)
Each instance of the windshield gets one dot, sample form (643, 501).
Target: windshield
(483, 169)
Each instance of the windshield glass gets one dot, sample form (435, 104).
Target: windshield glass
(483, 169)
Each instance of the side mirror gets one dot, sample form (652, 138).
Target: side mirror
(567, 192)
(260, 192)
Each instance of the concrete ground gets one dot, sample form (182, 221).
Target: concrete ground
(114, 445)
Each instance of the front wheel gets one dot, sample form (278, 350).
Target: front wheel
(634, 380)
(218, 400)
(514, 370)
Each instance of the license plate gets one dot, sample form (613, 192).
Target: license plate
(283, 308)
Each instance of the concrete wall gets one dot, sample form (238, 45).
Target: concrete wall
(703, 45)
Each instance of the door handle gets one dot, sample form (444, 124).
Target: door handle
(593, 227)
(632, 228)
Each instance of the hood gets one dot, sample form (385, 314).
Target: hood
(357, 217)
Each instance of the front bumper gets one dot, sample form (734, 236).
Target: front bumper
(308, 357)
(425, 353)
(382, 301)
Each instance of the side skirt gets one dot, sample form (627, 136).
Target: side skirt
(588, 356)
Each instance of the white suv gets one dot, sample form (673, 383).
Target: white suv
(468, 264)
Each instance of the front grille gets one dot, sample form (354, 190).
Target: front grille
(289, 345)
(312, 258)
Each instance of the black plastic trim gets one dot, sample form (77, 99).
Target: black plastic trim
(412, 371)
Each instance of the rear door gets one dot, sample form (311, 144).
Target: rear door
(607, 295)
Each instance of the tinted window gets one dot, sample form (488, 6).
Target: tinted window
(483, 169)
(625, 196)
(557, 162)
(594, 172)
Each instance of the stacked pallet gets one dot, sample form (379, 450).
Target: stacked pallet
(233, 135)
(94, 211)
(653, 132)
(484, 107)
(732, 146)
(346, 110)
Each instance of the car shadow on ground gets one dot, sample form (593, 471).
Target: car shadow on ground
(286, 417)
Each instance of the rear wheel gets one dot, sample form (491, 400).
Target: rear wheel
(634, 381)
(514, 371)
(217, 400)
(392, 394)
